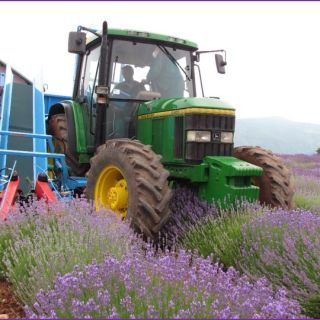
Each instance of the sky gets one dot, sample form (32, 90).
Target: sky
(273, 48)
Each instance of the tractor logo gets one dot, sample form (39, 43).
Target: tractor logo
(216, 136)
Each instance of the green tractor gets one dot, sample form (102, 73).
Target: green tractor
(136, 129)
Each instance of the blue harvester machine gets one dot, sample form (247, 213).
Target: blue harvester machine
(26, 149)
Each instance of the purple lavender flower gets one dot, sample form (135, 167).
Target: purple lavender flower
(46, 241)
(187, 210)
(177, 285)
(284, 247)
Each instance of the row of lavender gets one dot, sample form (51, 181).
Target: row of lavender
(282, 246)
(73, 262)
(306, 170)
(70, 261)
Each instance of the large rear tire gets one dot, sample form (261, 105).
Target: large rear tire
(59, 130)
(128, 177)
(276, 183)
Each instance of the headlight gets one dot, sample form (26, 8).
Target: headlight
(198, 136)
(226, 137)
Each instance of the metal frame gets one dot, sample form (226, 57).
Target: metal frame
(40, 143)
(5, 112)
(40, 164)
(68, 183)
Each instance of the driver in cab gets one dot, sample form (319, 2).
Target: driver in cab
(129, 86)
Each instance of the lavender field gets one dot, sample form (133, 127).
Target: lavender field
(306, 170)
(68, 261)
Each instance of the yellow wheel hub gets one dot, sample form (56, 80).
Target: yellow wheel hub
(111, 191)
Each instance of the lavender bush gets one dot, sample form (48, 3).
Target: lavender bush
(169, 285)
(307, 193)
(220, 237)
(304, 165)
(306, 169)
(47, 241)
(285, 247)
(187, 210)
(115, 278)
(5, 238)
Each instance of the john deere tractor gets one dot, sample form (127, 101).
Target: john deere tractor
(137, 129)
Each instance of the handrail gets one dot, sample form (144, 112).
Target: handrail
(32, 154)
(25, 134)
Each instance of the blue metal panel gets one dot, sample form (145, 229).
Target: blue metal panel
(5, 113)
(40, 164)
(2, 78)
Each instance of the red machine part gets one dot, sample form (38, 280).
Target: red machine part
(43, 190)
(8, 197)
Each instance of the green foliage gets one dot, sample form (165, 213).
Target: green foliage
(220, 237)
(5, 238)
(311, 307)
(307, 202)
(307, 193)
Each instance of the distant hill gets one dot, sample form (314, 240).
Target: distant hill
(278, 134)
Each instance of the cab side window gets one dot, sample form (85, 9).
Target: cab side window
(90, 75)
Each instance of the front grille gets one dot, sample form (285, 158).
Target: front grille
(195, 151)
(178, 138)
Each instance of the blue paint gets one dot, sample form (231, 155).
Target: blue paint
(40, 164)
(25, 134)
(41, 141)
(5, 113)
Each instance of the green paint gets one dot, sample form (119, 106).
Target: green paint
(80, 122)
(147, 36)
(193, 173)
(220, 178)
(161, 105)
(81, 127)
(159, 129)
(159, 133)
(144, 131)
(229, 180)
(157, 144)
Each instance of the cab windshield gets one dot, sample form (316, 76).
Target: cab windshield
(141, 70)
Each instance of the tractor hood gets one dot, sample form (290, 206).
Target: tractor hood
(176, 106)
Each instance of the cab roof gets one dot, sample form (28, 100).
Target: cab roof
(144, 35)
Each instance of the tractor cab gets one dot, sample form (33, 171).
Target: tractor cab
(139, 67)
(137, 72)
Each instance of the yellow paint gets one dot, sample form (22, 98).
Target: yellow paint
(111, 191)
(180, 112)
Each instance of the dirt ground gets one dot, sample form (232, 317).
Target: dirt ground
(9, 307)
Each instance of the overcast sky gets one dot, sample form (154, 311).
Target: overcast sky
(273, 48)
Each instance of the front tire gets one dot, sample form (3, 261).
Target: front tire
(276, 183)
(124, 165)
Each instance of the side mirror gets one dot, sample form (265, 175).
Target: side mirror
(196, 57)
(220, 63)
(77, 42)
